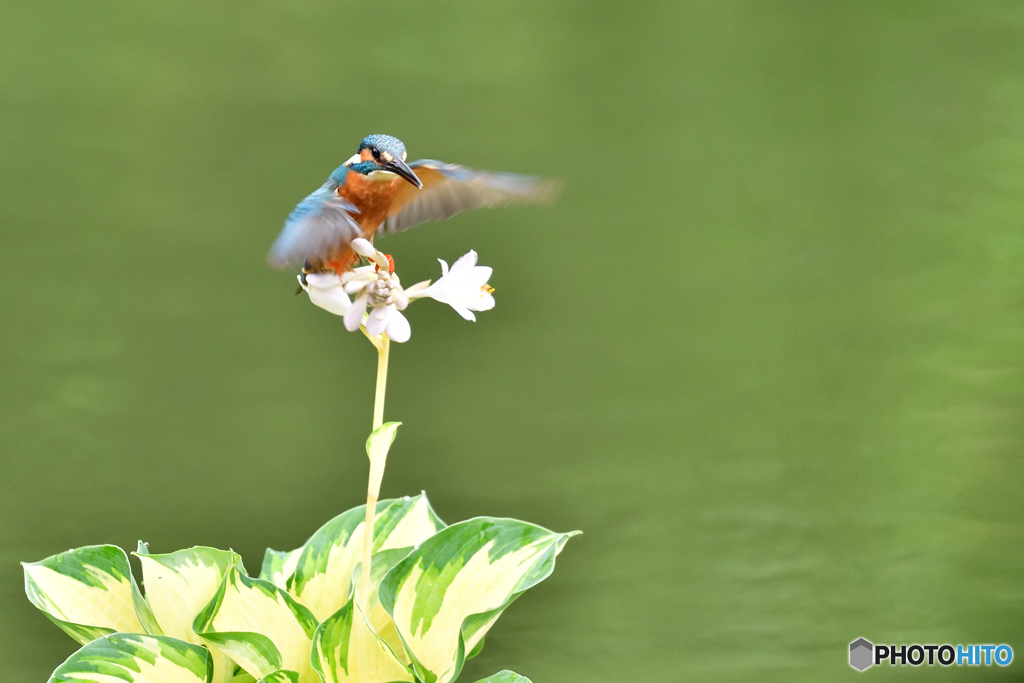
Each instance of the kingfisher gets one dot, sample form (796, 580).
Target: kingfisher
(376, 192)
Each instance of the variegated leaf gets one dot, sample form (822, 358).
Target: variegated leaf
(376, 616)
(346, 650)
(279, 565)
(379, 442)
(86, 591)
(477, 649)
(280, 676)
(143, 610)
(343, 649)
(447, 593)
(134, 658)
(328, 555)
(259, 626)
(505, 676)
(179, 585)
(323, 573)
(241, 676)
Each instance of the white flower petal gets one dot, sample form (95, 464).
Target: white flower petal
(333, 300)
(444, 267)
(354, 286)
(467, 260)
(360, 273)
(363, 247)
(435, 292)
(377, 322)
(478, 276)
(354, 315)
(464, 312)
(322, 280)
(324, 290)
(485, 302)
(398, 327)
(417, 290)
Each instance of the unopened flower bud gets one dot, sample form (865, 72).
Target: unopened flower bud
(363, 247)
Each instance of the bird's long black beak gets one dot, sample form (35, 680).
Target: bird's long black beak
(401, 168)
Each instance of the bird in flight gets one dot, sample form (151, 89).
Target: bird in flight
(376, 192)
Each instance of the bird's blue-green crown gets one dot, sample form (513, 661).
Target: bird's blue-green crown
(382, 147)
(384, 143)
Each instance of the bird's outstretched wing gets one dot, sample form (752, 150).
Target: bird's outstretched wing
(320, 222)
(449, 189)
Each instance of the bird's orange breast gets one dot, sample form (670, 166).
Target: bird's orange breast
(373, 199)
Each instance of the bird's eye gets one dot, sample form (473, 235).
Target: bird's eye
(375, 152)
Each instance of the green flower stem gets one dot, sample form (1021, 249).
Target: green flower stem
(376, 470)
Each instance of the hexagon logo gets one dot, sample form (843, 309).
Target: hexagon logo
(861, 654)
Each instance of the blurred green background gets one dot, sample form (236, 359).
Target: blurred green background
(766, 350)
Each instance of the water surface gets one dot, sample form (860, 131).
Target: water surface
(766, 350)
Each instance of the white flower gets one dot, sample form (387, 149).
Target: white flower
(376, 286)
(464, 287)
(386, 299)
(325, 290)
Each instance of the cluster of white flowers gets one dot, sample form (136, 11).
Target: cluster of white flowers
(376, 286)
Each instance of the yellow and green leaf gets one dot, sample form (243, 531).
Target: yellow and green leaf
(179, 585)
(322, 578)
(86, 591)
(505, 676)
(374, 613)
(445, 595)
(280, 676)
(258, 625)
(279, 565)
(350, 647)
(379, 442)
(135, 658)
(346, 650)
(241, 676)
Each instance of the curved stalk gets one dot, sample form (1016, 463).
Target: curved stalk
(376, 472)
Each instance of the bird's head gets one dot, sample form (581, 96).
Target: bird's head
(382, 154)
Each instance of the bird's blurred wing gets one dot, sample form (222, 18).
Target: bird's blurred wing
(318, 225)
(449, 189)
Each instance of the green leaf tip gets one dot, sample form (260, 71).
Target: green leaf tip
(379, 442)
(505, 676)
(280, 676)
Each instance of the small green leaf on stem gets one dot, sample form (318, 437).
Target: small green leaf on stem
(379, 443)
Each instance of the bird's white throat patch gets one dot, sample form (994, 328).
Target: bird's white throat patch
(381, 176)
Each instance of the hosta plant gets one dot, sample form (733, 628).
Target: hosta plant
(411, 601)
